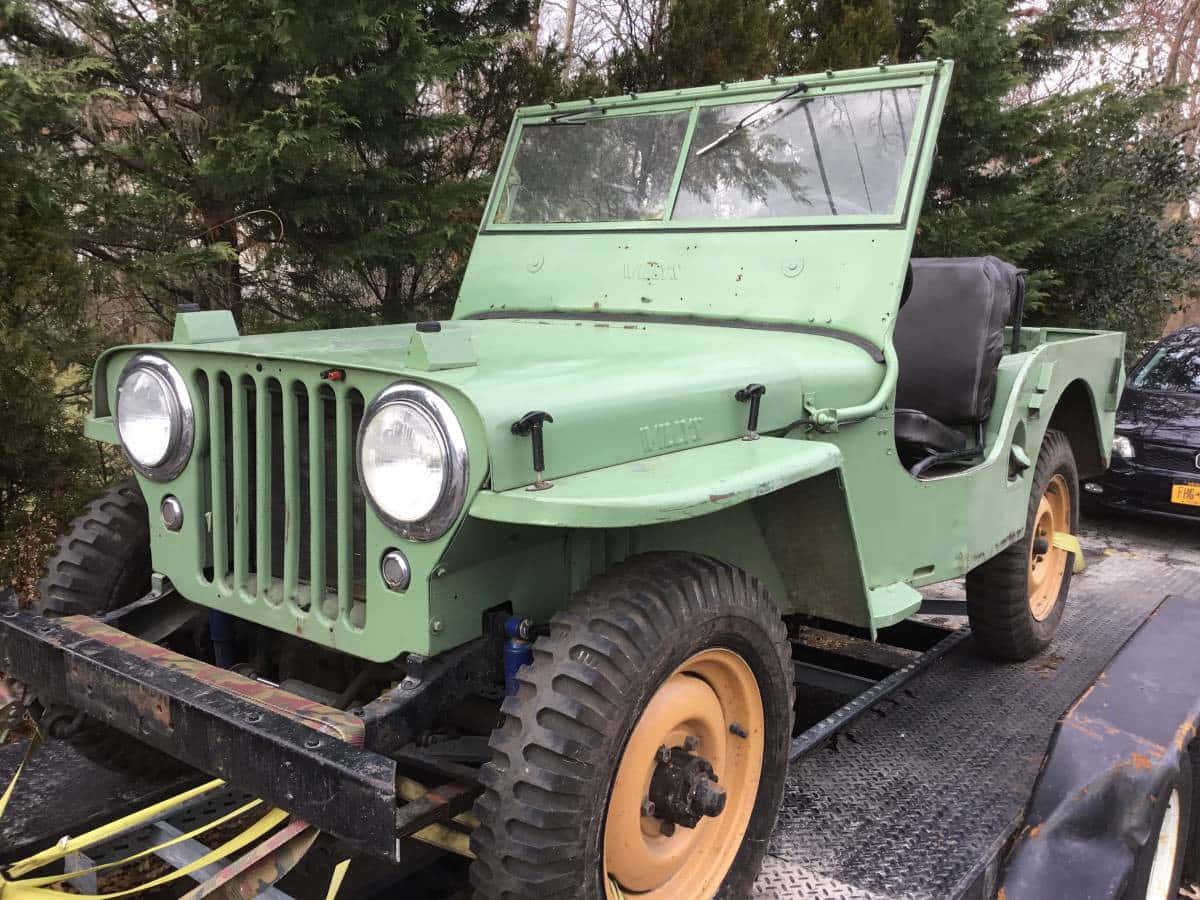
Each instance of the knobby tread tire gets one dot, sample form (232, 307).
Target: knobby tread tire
(101, 563)
(998, 590)
(103, 560)
(555, 753)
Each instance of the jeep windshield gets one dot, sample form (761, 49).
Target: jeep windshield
(807, 155)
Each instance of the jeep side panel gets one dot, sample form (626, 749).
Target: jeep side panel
(853, 542)
(921, 531)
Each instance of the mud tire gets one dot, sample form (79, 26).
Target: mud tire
(998, 602)
(101, 563)
(103, 560)
(555, 754)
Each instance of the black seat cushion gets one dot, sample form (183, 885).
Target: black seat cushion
(950, 336)
(919, 435)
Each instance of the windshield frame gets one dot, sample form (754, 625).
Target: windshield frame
(694, 100)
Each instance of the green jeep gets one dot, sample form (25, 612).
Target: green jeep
(693, 389)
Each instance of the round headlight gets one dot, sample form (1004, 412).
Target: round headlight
(412, 461)
(154, 417)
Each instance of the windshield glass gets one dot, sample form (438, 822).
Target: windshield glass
(1173, 367)
(840, 154)
(830, 155)
(600, 169)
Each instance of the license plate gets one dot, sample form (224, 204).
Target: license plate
(1188, 494)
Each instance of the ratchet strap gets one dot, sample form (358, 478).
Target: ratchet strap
(41, 887)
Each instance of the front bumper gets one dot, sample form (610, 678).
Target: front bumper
(296, 754)
(1130, 486)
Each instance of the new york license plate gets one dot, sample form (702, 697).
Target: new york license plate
(1188, 494)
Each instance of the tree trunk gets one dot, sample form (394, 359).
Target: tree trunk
(569, 29)
(394, 306)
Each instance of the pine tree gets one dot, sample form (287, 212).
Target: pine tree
(813, 35)
(702, 42)
(1070, 186)
(273, 158)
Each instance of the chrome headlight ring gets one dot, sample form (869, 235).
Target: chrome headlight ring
(182, 416)
(453, 492)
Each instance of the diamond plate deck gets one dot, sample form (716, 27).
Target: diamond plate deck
(915, 799)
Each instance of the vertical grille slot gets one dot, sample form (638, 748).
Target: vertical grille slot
(287, 514)
(295, 450)
(318, 397)
(351, 511)
(241, 400)
(218, 459)
(265, 532)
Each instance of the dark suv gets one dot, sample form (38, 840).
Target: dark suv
(1156, 452)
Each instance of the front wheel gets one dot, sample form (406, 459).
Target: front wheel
(645, 751)
(100, 564)
(103, 560)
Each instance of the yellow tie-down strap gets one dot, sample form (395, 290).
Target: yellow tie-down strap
(276, 855)
(1065, 541)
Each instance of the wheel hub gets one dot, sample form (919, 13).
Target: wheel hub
(687, 782)
(684, 788)
(1048, 563)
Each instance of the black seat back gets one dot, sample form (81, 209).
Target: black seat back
(950, 336)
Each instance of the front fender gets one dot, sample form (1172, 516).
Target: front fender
(667, 488)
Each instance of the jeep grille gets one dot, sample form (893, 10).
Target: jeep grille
(288, 515)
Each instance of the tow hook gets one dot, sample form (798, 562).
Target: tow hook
(684, 789)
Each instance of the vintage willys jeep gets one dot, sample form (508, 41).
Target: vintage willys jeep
(692, 385)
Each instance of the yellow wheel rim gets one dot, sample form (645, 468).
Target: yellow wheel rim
(712, 698)
(1048, 568)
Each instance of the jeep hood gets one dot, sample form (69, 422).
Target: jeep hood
(617, 390)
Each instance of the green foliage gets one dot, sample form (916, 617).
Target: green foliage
(703, 42)
(45, 464)
(272, 157)
(314, 164)
(813, 35)
(1076, 187)
(290, 161)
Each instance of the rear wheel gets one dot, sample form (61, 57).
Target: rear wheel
(645, 750)
(1016, 599)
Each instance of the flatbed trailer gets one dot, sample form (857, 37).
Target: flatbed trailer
(935, 774)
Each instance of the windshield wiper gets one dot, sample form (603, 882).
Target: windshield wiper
(750, 116)
(568, 118)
